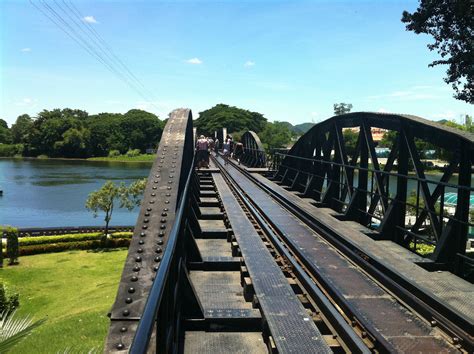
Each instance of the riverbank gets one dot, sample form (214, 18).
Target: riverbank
(120, 158)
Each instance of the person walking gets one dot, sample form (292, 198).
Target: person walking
(202, 146)
(227, 149)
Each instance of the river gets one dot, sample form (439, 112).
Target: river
(47, 193)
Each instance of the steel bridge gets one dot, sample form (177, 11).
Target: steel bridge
(311, 250)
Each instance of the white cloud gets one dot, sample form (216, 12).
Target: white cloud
(26, 50)
(445, 115)
(90, 19)
(249, 63)
(26, 102)
(195, 61)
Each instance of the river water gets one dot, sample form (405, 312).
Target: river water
(47, 193)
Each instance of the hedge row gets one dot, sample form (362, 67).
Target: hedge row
(39, 240)
(76, 245)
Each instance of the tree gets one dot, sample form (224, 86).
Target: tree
(21, 129)
(233, 118)
(5, 133)
(275, 135)
(342, 108)
(451, 23)
(350, 140)
(13, 330)
(109, 194)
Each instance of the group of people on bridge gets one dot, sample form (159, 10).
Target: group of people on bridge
(205, 145)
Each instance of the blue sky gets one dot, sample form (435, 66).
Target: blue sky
(290, 60)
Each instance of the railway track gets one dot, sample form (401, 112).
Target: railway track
(358, 305)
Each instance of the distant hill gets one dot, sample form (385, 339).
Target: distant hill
(299, 128)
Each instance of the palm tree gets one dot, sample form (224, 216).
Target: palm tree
(13, 330)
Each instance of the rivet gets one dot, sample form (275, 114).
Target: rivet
(148, 209)
(146, 220)
(136, 268)
(154, 187)
(123, 329)
(158, 250)
(155, 181)
(157, 258)
(163, 221)
(152, 202)
(157, 176)
(144, 227)
(140, 250)
(141, 242)
(153, 194)
(134, 278)
(168, 194)
(147, 214)
(131, 290)
(160, 242)
(169, 188)
(433, 323)
(164, 214)
(161, 234)
(125, 312)
(162, 227)
(155, 268)
(166, 202)
(170, 182)
(165, 209)
(142, 234)
(120, 346)
(128, 300)
(138, 259)
(171, 176)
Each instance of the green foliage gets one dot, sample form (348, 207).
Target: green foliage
(350, 139)
(13, 330)
(423, 249)
(43, 157)
(75, 245)
(105, 198)
(9, 300)
(40, 240)
(73, 133)
(9, 150)
(451, 24)
(13, 251)
(133, 153)
(233, 118)
(5, 133)
(275, 135)
(114, 153)
(342, 108)
(124, 158)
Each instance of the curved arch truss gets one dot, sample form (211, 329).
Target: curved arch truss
(164, 190)
(394, 195)
(253, 153)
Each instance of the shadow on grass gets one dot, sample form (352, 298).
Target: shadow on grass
(106, 250)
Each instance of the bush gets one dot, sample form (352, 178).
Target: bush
(9, 301)
(42, 157)
(12, 244)
(114, 153)
(9, 150)
(76, 245)
(40, 240)
(133, 153)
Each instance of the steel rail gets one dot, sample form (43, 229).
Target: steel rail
(146, 324)
(336, 320)
(432, 310)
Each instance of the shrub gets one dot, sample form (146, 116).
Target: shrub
(76, 245)
(9, 301)
(9, 150)
(133, 153)
(114, 153)
(40, 240)
(42, 156)
(12, 244)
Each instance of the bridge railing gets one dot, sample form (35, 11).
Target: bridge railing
(160, 316)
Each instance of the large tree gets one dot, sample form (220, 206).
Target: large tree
(233, 118)
(276, 135)
(451, 23)
(21, 129)
(5, 133)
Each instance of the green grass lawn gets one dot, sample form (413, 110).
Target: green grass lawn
(124, 158)
(74, 290)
